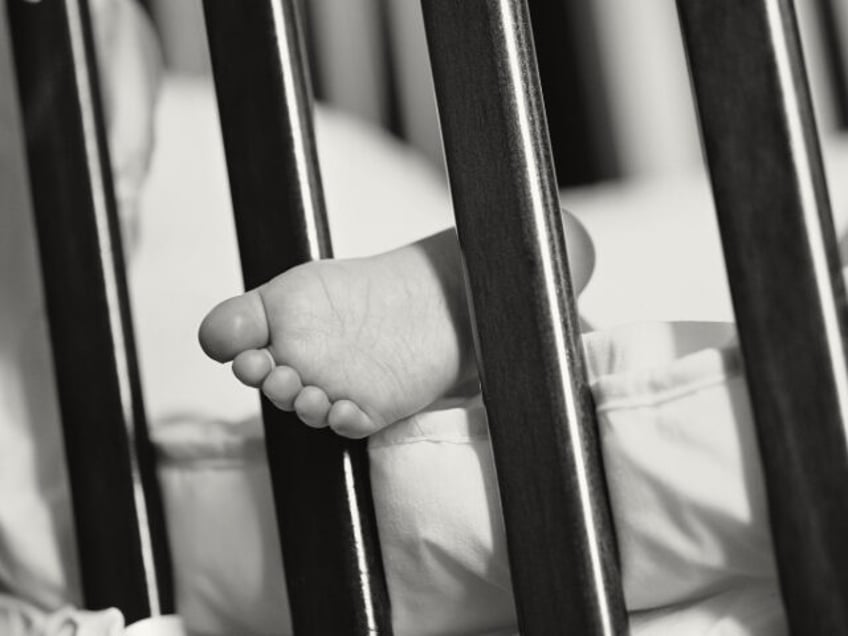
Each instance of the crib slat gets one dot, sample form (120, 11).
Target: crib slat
(561, 546)
(831, 16)
(321, 485)
(789, 296)
(119, 523)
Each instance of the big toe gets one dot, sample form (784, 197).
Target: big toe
(233, 326)
(348, 420)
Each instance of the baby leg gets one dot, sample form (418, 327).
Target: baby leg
(359, 344)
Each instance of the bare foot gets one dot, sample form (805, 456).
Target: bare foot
(352, 344)
(359, 344)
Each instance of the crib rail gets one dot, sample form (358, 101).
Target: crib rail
(561, 546)
(789, 297)
(321, 485)
(120, 531)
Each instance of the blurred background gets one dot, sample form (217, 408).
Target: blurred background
(613, 71)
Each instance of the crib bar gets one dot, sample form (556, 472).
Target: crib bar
(779, 243)
(830, 14)
(321, 485)
(119, 522)
(559, 532)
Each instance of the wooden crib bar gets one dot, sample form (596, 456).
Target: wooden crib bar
(561, 546)
(788, 293)
(120, 531)
(322, 494)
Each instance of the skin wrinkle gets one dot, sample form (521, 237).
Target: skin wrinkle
(330, 302)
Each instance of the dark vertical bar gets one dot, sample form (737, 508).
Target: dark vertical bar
(391, 99)
(780, 249)
(313, 55)
(117, 508)
(321, 483)
(576, 102)
(561, 546)
(836, 49)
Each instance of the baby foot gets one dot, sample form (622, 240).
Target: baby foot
(352, 344)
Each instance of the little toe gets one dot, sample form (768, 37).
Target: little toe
(282, 386)
(312, 406)
(347, 419)
(251, 367)
(233, 326)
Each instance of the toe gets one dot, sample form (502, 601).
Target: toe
(312, 406)
(282, 386)
(236, 325)
(251, 367)
(348, 420)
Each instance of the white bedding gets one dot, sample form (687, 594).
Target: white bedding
(683, 474)
(657, 259)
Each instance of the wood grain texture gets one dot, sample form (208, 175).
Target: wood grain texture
(541, 416)
(788, 293)
(322, 494)
(120, 531)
